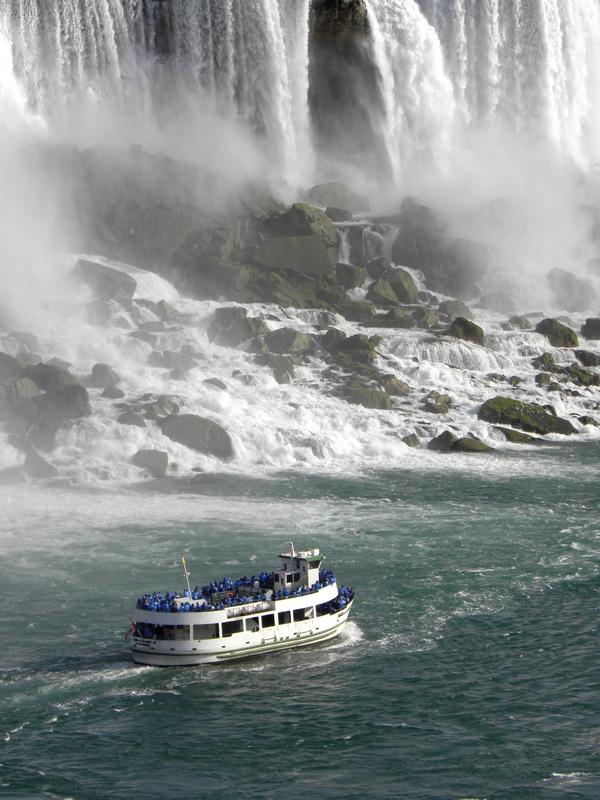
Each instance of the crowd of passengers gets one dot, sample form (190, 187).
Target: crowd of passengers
(218, 595)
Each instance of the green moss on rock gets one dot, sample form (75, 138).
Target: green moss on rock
(558, 335)
(526, 416)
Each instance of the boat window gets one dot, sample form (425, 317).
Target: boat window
(252, 624)
(268, 620)
(166, 633)
(323, 609)
(289, 578)
(210, 631)
(284, 617)
(275, 577)
(234, 626)
(296, 576)
(303, 613)
(314, 564)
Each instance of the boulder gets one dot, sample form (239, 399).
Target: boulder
(443, 443)
(587, 358)
(10, 367)
(570, 292)
(349, 276)
(331, 339)
(529, 417)
(543, 379)
(37, 467)
(580, 376)
(165, 311)
(131, 418)
(436, 403)
(394, 386)
(377, 267)
(17, 391)
(454, 308)
(199, 434)
(288, 340)
(338, 195)
(360, 343)
(163, 406)
(381, 293)
(403, 285)
(467, 330)
(215, 383)
(545, 362)
(518, 323)
(231, 326)
(367, 397)
(558, 335)
(153, 461)
(586, 420)
(337, 214)
(395, 318)
(411, 439)
(49, 378)
(107, 283)
(69, 403)
(282, 366)
(516, 437)
(425, 317)
(471, 444)
(360, 311)
(591, 328)
(103, 377)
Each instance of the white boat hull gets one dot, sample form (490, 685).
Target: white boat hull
(243, 645)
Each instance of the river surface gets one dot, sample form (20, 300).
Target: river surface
(469, 670)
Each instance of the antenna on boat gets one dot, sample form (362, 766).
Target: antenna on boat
(292, 551)
(186, 574)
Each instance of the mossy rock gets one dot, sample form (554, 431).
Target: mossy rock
(581, 376)
(587, 358)
(331, 339)
(394, 386)
(516, 437)
(349, 276)
(543, 379)
(586, 420)
(305, 254)
(558, 335)
(526, 416)
(443, 443)
(395, 318)
(288, 340)
(454, 308)
(520, 323)
(544, 362)
(403, 285)
(281, 366)
(471, 444)
(466, 330)
(425, 317)
(231, 326)
(360, 311)
(369, 398)
(437, 403)
(381, 293)
(411, 439)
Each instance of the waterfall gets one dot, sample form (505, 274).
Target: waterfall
(445, 69)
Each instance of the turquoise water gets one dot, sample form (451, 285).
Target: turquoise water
(470, 669)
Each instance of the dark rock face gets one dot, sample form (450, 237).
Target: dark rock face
(69, 403)
(282, 366)
(588, 359)
(153, 461)
(287, 340)
(591, 328)
(558, 335)
(106, 283)
(471, 444)
(103, 377)
(344, 84)
(332, 339)
(377, 267)
(49, 378)
(231, 326)
(516, 437)
(449, 265)
(403, 285)
(443, 443)
(526, 416)
(349, 276)
(113, 393)
(131, 418)
(381, 293)
(199, 434)
(367, 397)
(467, 330)
(10, 367)
(338, 214)
(570, 292)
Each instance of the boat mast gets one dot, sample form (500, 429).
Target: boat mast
(186, 575)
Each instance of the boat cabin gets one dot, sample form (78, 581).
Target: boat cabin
(298, 568)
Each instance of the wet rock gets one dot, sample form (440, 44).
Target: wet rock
(591, 328)
(16, 391)
(516, 437)
(338, 195)
(10, 367)
(163, 406)
(107, 283)
(199, 434)
(103, 377)
(113, 393)
(381, 293)
(544, 362)
(131, 418)
(517, 323)
(471, 444)
(49, 378)
(411, 439)
(360, 348)
(558, 335)
(586, 420)
(152, 326)
(587, 358)
(443, 443)
(403, 285)
(436, 403)
(332, 339)
(570, 292)
(349, 276)
(154, 462)
(27, 340)
(377, 267)
(466, 330)
(231, 326)
(454, 308)
(580, 376)
(394, 386)
(395, 318)
(529, 417)
(215, 383)
(337, 214)
(166, 312)
(543, 379)
(425, 317)
(282, 366)
(365, 396)
(144, 336)
(360, 311)
(288, 340)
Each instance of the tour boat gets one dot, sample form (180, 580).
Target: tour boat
(296, 605)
